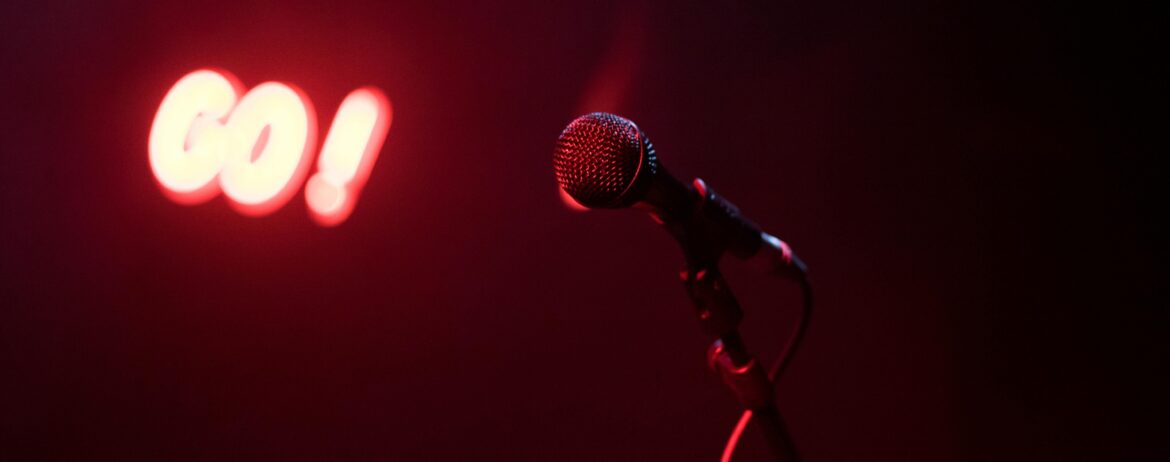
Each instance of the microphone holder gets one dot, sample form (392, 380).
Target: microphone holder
(719, 316)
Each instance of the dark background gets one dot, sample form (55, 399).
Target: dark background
(972, 185)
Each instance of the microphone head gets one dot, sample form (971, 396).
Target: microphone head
(604, 161)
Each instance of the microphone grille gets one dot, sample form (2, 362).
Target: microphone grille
(600, 158)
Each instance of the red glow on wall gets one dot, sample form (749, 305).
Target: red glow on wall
(257, 148)
(609, 86)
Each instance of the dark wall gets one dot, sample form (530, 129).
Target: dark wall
(971, 184)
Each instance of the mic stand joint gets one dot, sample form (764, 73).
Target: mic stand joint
(719, 315)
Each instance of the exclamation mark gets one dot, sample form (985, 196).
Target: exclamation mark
(350, 150)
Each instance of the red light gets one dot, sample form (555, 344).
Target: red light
(260, 145)
(348, 155)
(736, 433)
(188, 142)
(260, 186)
(571, 203)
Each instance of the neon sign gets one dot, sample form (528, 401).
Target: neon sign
(209, 136)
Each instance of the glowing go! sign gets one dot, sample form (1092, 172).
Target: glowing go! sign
(257, 147)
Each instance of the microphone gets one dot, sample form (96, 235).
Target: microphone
(606, 161)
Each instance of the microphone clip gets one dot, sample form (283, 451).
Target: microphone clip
(719, 315)
(718, 310)
(748, 382)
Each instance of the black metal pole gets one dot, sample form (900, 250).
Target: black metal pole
(775, 433)
(719, 315)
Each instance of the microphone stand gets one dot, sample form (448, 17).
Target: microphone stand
(720, 314)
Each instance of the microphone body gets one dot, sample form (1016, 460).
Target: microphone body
(606, 161)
